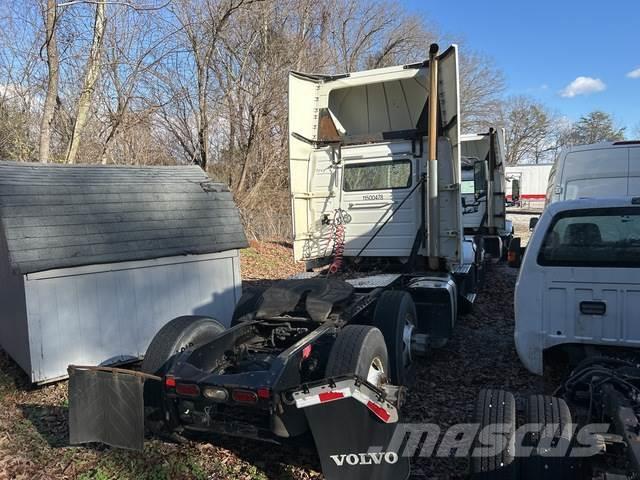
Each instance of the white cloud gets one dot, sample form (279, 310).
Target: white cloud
(634, 73)
(583, 86)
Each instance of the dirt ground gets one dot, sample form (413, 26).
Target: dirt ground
(521, 224)
(33, 421)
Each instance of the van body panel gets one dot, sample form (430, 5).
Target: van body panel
(598, 170)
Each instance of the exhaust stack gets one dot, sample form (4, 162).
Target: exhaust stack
(433, 211)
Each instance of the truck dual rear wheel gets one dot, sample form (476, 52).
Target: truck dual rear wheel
(359, 350)
(495, 407)
(395, 316)
(189, 331)
(554, 414)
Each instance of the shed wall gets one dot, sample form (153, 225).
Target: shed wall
(100, 314)
(14, 335)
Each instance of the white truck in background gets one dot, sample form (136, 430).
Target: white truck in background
(483, 190)
(526, 185)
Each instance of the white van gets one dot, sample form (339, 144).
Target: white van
(579, 284)
(598, 170)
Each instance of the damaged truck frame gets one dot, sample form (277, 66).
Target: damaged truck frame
(375, 172)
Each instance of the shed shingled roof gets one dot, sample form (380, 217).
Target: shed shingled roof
(57, 216)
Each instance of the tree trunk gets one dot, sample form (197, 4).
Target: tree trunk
(52, 83)
(91, 76)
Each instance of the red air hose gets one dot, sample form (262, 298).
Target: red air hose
(338, 243)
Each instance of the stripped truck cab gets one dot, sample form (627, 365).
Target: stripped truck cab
(358, 158)
(579, 285)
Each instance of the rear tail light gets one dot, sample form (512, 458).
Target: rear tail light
(187, 389)
(306, 352)
(169, 381)
(218, 394)
(244, 396)
(264, 393)
(330, 396)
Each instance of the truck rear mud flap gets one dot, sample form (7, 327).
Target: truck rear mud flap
(352, 423)
(106, 405)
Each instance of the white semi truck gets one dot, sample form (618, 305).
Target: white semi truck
(483, 190)
(376, 191)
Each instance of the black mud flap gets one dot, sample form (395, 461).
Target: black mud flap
(352, 423)
(106, 405)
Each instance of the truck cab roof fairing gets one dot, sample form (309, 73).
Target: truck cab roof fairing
(383, 107)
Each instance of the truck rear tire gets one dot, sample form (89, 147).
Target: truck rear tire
(395, 316)
(359, 350)
(176, 336)
(495, 407)
(247, 306)
(548, 410)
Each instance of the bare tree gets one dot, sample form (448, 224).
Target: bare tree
(92, 72)
(530, 130)
(481, 88)
(53, 62)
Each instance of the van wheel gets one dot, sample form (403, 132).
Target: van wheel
(359, 350)
(553, 413)
(181, 333)
(495, 407)
(247, 306)
(395, 316)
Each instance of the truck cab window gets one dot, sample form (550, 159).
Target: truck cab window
(377, 176)
(593, 238)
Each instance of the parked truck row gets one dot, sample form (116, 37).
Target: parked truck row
(396, 216)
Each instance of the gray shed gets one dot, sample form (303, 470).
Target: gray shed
(95, 260)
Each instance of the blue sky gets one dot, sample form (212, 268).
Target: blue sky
(543, 46)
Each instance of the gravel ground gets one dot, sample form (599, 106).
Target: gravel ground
(521, 224)
(33, 422)
(480, 355)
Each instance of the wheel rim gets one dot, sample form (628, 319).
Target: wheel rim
(407, 334)
(376, 374)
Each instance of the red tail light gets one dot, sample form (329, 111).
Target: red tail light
(264, 393)
(380, 412)
(306, 352)
(187, 389)
(244, 396)
(169, 381)
(330, 396)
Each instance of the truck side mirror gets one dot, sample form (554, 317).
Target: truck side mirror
(533, 221)
(480, 179)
